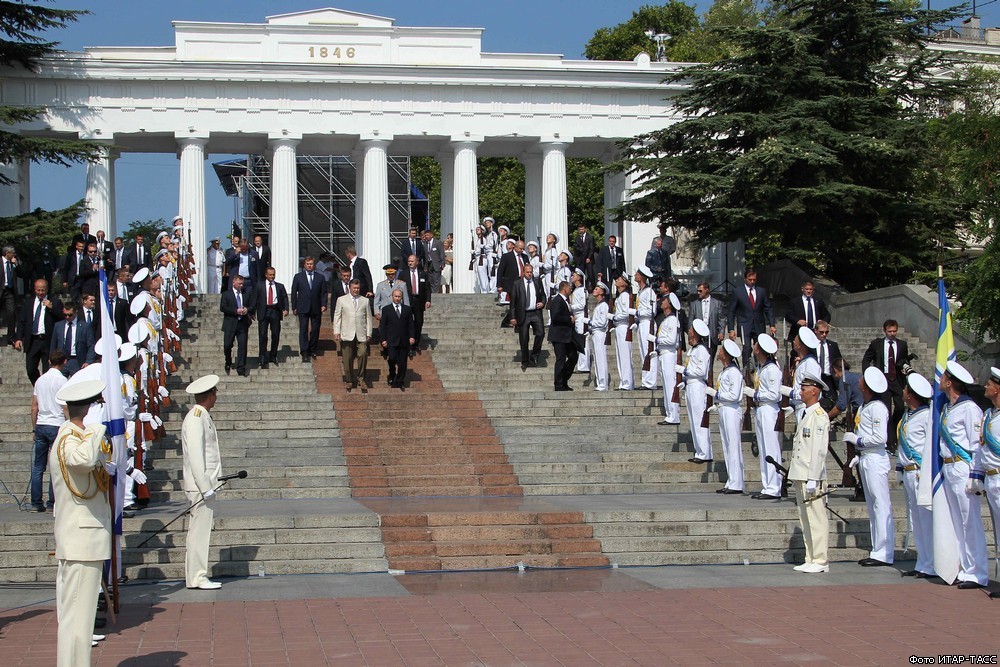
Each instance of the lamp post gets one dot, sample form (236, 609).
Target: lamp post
(660, 38)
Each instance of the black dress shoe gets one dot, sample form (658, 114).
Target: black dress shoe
(564, 389)
(305, 358)
(722, 490)
(732, 492)
(699, 461)
(911, 573)
(924, 575)
(765, 496)
(245, 374)
(969, 585)
(872, 562)
(264, 365)
(229, 367)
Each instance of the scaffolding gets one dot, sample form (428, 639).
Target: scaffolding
(327, 199)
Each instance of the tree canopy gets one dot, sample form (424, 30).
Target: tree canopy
(626, 40)
(813, 134)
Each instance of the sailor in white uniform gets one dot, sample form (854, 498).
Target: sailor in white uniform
(913, 437)
(766, 394)
(599, 322)
(695, 381)
(667, 343)
(727, 394)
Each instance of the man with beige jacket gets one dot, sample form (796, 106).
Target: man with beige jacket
(352, 329)
(202, 469)
(808, 471)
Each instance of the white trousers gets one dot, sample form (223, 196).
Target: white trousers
(623, 352)
(214, 281)
(923, 523)
(482, 276)
(583, 360)
(199, 535)
(600, 360)
(650, 377)
(769, 443)
(968, 519)
(815, 523)
(993, 498)
(667, 364)
(694, 397)
(730, 421)
(78, 584)
(874, 468)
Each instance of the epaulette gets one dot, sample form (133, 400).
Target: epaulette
(197, 412)
(818, 409)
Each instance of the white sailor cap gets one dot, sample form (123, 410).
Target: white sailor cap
(176, 218)
(568, 254)
(202, 384)
(700, 328)
(553, 235)
(731, 348)
(140, 275)
(160, 236)
(217, 240)
(957, 371)
(766, 343)
(176, 227)
(811, 379)
(509, 241)
(578, 271)
(603, 286)
(644, 270)
(127, 351)
(531, 243)
(675, 303)
(919, 385)
(81, 392)
(995, 374)
(100, 343)
(504, 228)
(808, 338)
(875, 380)
(137, 333)
(488, 218)
(158, 255)
(139, 303)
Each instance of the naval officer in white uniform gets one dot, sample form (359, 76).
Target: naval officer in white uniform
(202, 469)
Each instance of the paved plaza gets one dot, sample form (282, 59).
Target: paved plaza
(687, 615)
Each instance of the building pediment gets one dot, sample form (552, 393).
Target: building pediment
(330, 16)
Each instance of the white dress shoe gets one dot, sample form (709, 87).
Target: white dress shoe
(815, 568)
(209, 585)
(98, 638)
(799, 568)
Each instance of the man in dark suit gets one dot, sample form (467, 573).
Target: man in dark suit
(138, 255)
(433, 259)
(411, 245)
(236, 305)
(339, 287)
(308, 303)
(398, 333)
(806, 311)
(272, 307)
(74, 337)
(84, 236)
(119, 254)
(658, 256)
(72, 265)
(244, 262)
(90, 313)
(9, 273)
(263, 252)
(511, 268)
(527, 301)
(610, 262)
(89, 278)
(120, 315)
(419, 289)
(827, 351)
(35, 324)
(360, 271)
(891, 356)
(227, 256)
(750, 313)
(583, 253)
(561, 336)
(105, 248)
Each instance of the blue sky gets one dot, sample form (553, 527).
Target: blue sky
(147, 183)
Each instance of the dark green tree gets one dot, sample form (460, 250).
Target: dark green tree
(814, 134)
(41, 233)
(148, 228)
(626, 40)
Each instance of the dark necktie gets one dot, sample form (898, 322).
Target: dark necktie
(67, 347)
(38, 319)
(139, 253)
(89, 318)
(399, 312)
(810, 313)
(614, 259)
(822, 357)
(310, 276)
(8, 275)
(892, 361)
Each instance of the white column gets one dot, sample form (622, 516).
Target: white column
(447, 161)
(533, 229)
(374, 231)
(554, 215)
(614, 195)
(359, 194)
(101, 192)
(15, 199)
(191, 201)
(284, 236)
(465, 208)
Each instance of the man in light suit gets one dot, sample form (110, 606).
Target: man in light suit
(82, 521)
(352, 328)
(74, 337)
(272, 307)
(237, 306)
(202, 469)
(433, 259)
(397, 334)
(708, 309)
(309, 304)
(806, 311)
(750, 313)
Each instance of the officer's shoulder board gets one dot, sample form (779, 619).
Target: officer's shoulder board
(817, 409)
(197, 412)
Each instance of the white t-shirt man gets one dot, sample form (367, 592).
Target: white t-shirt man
(50, 412)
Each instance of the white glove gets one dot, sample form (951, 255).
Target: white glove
(110, 466)
(712, 409)
(974, 486)
(138, 476)
(586, 320)
(811, 486)
(748, 392)
(851, 438)
(854, 462)
(158, 422)
(208, 494)
(710, 391)
(681, 385)
(680, 369)
(167, 358)
(145, 417)
(634, 327)
(164, 392)
(788, 410)
(786, 391)
(632, 311)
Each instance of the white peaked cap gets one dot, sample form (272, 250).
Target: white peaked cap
(202, 384)
(919, 385)
(766, 343)
(81, 392)
(700, 328)
(875, 380)
(731, 348)
(957, 371)
(808, 338)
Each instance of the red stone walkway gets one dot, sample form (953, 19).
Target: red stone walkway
(830, 625)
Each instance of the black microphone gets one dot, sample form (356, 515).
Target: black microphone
(236, 475)
(778, 466)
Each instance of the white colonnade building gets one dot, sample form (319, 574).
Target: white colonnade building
(334, 82)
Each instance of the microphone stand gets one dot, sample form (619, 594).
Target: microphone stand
(187, 511)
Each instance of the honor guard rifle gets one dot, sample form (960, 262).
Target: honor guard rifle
(650, 346)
